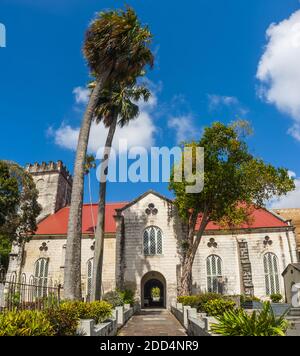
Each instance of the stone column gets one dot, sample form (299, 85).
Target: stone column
(15, 260)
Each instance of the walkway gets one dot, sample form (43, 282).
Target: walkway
(153, 322)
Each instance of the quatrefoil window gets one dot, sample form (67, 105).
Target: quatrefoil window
(268, 241)
(151, 210)
(212, 243)
(44, 247)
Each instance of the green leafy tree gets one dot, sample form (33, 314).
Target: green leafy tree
(19, 217)
(116, 48)
(9, 193)
(9, 199)
(235, 182)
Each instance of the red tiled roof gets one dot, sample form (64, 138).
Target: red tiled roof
(259, 218)
(57, 224)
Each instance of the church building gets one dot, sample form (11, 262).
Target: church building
(143, 244)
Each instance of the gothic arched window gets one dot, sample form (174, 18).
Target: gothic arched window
(89, 275)
(23, 287)
(41, 276)
(271, 273)
(13, 277)
(214, 274)
(152, 241)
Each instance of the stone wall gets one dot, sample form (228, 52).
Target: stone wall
(228, 249)
(56, 254)
(194, 323)
(121, 315)
(291, 276)
(294, 216)
(135, 265)
(54, 183)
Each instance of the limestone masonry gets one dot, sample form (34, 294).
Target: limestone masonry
(143, 246)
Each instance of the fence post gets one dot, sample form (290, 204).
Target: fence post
(58, 292)
(185, 315)
(120, 315)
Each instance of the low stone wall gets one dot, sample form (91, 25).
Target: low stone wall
(195, 324)
(196, 327)
(119, 318)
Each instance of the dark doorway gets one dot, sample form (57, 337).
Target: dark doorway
(156, 301)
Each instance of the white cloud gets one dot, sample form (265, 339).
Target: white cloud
(81, 95)
(183, 126)
(215, 102)
(139, 132)
(292, 199)
(294, 131)
(279, 69)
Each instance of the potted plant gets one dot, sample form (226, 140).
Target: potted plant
(276, 298)
(278, 306)
(155, 294)
(251, 302)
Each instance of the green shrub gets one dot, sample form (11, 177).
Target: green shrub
(262, 323)
(198, 301)
(248, 298)
(99, 311)
(276, 298)
(25, 323)
(127, 296)
(63, 320)
(114, 298)
(155, 292)
(218, 307)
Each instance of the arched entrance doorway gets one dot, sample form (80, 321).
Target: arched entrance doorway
(153, 290)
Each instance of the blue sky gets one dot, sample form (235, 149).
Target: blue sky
(214, 61)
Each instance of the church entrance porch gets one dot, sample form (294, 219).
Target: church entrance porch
(153, 290)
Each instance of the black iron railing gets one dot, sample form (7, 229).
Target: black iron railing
(39, 294)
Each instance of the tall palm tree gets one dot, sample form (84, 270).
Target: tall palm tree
(117, 106)
(116, 48)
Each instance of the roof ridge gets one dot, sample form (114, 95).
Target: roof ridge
(110, 203)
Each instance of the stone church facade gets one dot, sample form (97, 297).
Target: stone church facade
(143, 245)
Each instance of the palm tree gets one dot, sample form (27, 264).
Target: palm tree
(116, 48)
(117, 106)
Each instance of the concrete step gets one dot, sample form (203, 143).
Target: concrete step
(293, 332)
(294, 312)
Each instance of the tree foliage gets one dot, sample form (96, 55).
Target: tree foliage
(9, 193)
(19, 206)
(235, 183)
(120, 99)
(117, 40)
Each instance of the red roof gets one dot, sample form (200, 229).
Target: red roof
(259, 218)
(57, 224)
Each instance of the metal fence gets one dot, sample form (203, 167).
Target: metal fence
(38, 294)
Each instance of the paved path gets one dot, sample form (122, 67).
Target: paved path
(153, 322)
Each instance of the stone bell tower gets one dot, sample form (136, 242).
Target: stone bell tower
(54, 183)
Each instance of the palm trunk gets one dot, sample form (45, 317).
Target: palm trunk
(187, 265)
(72, 273)
(100, 230)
